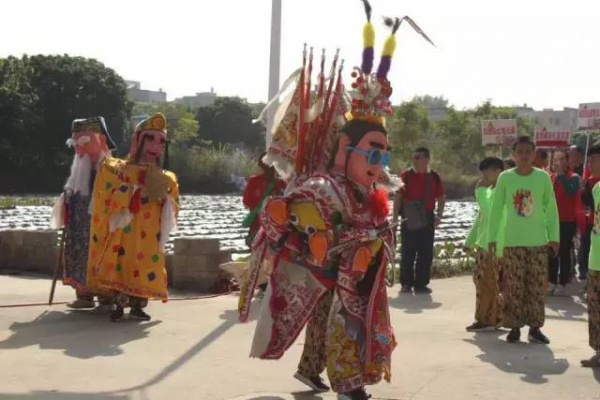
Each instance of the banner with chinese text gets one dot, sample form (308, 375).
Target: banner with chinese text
(588, 117)
(498, 131)
(552, 137)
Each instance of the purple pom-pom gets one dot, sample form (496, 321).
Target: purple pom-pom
(367, 60)
(384, 66)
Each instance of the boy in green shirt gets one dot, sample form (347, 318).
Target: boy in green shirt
(593, 284)
(524, 222)
(487, 312)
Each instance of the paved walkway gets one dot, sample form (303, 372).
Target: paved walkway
(195, 349)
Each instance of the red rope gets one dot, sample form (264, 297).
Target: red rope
(208, 296)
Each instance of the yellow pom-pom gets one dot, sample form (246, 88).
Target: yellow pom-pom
(389, 46)
(368, 35)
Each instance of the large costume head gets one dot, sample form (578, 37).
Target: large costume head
(324, 130)
(363, 148)
(90, 137)
(149, 140)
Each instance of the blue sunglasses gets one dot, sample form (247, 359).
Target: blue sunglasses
(374, 156)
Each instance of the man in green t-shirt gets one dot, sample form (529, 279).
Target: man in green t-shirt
(593, 284)
(522, 228)
(487, 310)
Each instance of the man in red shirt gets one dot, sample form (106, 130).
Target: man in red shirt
(416, 203)
(566, 190)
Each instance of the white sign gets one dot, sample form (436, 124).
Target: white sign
(498, 131)
(552, 137)
(588, 117)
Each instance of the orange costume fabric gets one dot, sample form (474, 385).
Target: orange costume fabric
(128, 257)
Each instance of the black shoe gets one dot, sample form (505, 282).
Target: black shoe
(536, 336)
(479, 327)
(406, 289)
(117, 314)
(358, 394)
(137, 313)
(315, 383)
(514, 335)
(423, 289)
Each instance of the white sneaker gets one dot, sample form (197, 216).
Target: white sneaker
(551, 288)
(559, 290)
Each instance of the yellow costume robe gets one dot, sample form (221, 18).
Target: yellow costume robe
(127, 257)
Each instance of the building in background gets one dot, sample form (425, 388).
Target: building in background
(137, 94)
(199, 100)
(565, 118)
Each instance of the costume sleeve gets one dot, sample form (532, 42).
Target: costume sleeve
(496, 210)
(170, 211)
(552, 220)
(59, 213)
(250, 199)
(112, 195)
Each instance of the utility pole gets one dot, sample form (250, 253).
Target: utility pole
(274, 62)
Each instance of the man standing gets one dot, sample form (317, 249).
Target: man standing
(524, 223)
(593, 285)
(416, 203)
(487, 308)
(92, 144)
(585, 212)
(541, 159)
(566, 191)
(135, 207)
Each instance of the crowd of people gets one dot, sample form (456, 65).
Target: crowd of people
(322, 230)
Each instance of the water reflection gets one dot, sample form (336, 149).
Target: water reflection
(220, 217)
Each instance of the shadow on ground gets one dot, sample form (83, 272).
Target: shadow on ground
(533, 362)
(59, 330)
(414, 303)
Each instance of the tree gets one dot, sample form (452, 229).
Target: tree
(41, 95)
(229, 120)
(181, 123)
(408, 128)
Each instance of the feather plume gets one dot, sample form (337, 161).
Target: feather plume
(367, 9)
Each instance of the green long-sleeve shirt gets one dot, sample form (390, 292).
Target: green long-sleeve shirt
(594, 263)
(530, 213)
(478, 234)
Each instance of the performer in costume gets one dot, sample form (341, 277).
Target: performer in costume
(71, 212)
(135, 207)
(328, 238)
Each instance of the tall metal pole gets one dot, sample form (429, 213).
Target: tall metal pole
(275, 62)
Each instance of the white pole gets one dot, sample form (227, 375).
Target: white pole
(587, 147)
(274, 63)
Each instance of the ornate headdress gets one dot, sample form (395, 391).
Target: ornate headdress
(371, 91)
(96, 125)
(305, 130)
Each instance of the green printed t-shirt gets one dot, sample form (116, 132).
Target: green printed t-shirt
(479, 233)
(594, 264)
(530, 213)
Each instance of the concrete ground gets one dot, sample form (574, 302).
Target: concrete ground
(196, 349)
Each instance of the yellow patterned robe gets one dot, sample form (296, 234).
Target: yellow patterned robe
(129, 259)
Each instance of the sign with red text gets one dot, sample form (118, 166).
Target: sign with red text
(552, 137)
(498, 131)
(588, 117)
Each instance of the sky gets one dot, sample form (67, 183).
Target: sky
(541, 53)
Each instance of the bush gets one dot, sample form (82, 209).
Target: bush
(209, 169)
(459, 186)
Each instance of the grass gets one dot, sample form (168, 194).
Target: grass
(12, 202)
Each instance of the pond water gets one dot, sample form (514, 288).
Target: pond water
(220, 217)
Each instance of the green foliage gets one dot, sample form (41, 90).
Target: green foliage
(209, 168)
(408, 128)
(12, 202)
(181, 122)
(229, 120)
(40, 96)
